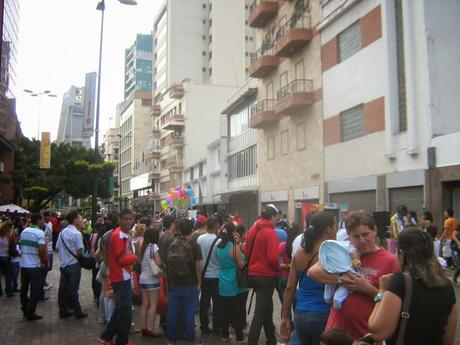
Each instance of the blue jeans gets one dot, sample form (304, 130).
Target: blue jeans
(120, 321)
(188, 297)
(30, 277)
(69, 284)
(309, 326)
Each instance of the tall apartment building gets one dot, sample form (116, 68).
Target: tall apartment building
(391, 122)
(138, 65)
(201, 56)
(70, 128)
(111, 152)
(288, 109)
(10, 130)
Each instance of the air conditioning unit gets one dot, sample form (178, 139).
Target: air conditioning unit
(2, 167)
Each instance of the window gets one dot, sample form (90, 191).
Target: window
(204, 5)
(301, 136)
(243, 163)
(204, 21)
(285, 142)
(352, 123)
(204, 37)
(203, 53)
(239, 122)
(203, 69)
(400, 62)
(191, 173)
(270, 147)
(349, 41)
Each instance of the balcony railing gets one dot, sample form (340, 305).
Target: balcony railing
(262, 106)
(299, 85)
(156, 110)
(263, 61)
(295, 96)
(176, 91)
(293, 35)
(170, 122)
(263, 113)
(261, 12)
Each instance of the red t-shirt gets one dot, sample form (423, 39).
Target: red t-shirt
(356, 309)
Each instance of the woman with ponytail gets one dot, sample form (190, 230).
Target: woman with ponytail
(311, 311)
(432, 311)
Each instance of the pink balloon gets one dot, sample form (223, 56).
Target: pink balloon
(177, 194)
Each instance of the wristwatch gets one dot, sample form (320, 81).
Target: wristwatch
(378, 298)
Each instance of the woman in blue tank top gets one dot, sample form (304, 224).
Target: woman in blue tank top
(311, 311)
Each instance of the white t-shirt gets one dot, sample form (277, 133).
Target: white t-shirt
(73, 240)
(296, 244)
(49, 237)
(31, 239)
(205, 241)
(146, 273)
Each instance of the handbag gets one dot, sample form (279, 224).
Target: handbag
(86, 261)
(242, 274)
(156, 270)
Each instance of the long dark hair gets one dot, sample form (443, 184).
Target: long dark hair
(419, 258)
(292, 233)
(318, 225)
(227, 234)
(150, 236)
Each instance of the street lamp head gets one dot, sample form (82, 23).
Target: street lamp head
(128, 2)
(100, 5)
(28, 91)
(46, 92)
(34, 95)
(51, 95)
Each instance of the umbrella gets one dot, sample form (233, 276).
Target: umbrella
(12, 208)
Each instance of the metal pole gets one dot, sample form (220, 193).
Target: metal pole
(39, 115)
(96, 129)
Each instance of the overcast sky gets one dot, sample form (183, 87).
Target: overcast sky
(59, 43)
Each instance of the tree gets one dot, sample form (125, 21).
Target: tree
(73, 169)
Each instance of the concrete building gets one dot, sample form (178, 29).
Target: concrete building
(10, 130)
(237, 173)
(70, 129)
(138, 65)
(110, 151)
(390, 105)
(288, 110)
(201, 56)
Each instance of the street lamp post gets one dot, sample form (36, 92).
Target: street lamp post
(100, 7)
(39, 95)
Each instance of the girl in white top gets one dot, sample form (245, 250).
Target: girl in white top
(149, 284)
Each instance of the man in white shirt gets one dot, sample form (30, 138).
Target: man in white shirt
(33, 262)
(49, 247)
(70, 246)
(210, 283)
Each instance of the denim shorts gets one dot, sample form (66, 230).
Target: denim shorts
(154, 286)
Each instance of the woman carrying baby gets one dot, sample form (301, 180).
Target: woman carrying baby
(311, 311)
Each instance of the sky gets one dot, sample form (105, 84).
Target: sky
(59, 44)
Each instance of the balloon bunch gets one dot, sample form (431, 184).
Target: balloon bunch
(179, 198)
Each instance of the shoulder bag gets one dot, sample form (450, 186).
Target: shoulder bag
(156, 270)
(242, 274)
(85, 261)
(208, 258)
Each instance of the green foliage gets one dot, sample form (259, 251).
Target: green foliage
(73, 170)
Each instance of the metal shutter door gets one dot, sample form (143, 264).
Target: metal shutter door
(362, 200)
(412, 197)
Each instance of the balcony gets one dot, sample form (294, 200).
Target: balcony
(263, 114)
(295, 96)
(173, 140)
(263, 61)
(176, 91)
(174, 164)
(172, 122)
(155, 153)
(262, 11)
(292, 36)
(156, 132)
(156, 110)
(154, 175)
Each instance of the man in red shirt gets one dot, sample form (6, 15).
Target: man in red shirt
(375, 262)
(262, 253)
(120, 262)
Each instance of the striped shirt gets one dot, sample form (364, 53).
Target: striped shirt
(30, 240)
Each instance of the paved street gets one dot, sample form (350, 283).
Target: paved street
(54, 331)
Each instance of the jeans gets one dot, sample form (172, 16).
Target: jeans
(120, 321)
(177, 296)
(210, 290)
(309, 326)
(263, 313)
(16, 269)
(7, 270)
(68, 289)
(95, 284)
(234, 310)
(32, 277)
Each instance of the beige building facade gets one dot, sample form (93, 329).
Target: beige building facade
(288, 110)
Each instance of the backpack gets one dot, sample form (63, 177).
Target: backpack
(179, 258)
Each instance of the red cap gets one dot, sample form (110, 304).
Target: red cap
(201, 220)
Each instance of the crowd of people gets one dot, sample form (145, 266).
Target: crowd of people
(337, 281)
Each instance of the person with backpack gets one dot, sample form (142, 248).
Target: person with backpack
(263, 267)
(210, 277)
(184, 280)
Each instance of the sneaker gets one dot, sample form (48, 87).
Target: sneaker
(34, 317)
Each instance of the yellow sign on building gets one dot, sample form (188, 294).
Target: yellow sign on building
(45, 151)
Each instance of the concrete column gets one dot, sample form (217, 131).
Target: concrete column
(381, 193)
